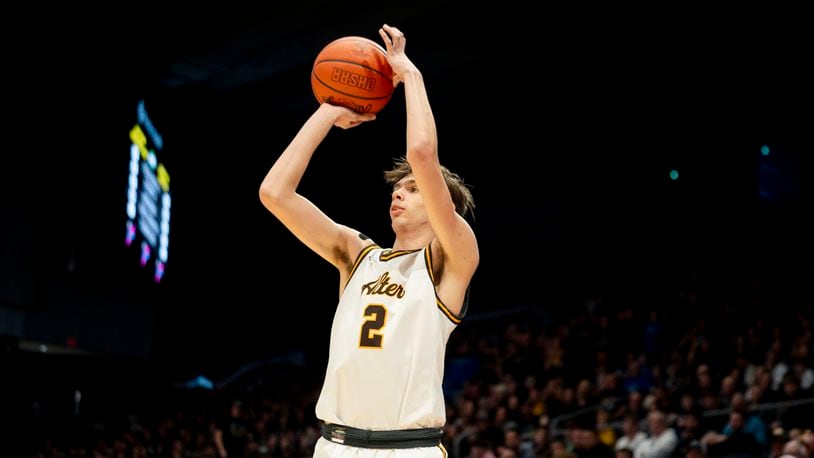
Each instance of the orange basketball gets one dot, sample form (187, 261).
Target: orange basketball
(353, 72)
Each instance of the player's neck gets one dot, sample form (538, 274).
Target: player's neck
(412, 239)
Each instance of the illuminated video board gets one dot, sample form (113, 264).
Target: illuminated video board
(148, 196)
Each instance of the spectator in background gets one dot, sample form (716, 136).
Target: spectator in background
(536, 443)
(689, 429)
(662, 440)
(633, 406)
(510, 446)
(559, 449)
(753, 424)
(795, 448)
(480, 448)
(631, 436)
(231, 433)
(794, 415)
(589, 445)
(694, 450)
(637, 376)
(606, 432)
(736, 443)
(801, 355)
(653, 337)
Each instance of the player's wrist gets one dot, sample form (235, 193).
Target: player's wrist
(410, 74)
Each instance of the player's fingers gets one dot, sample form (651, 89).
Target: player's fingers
(396, 35)
(386, 39)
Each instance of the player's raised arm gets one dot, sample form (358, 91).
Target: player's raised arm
(278, 192)
(458, 244)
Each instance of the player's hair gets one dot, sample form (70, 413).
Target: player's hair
(461, 195)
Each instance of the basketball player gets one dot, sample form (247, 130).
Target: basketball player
(382, 392)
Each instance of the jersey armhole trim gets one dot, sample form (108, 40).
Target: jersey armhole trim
(358, 261)
(441, 306)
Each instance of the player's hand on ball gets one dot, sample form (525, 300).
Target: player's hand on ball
(346, 118)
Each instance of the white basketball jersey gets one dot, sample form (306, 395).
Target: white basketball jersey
(388, 342)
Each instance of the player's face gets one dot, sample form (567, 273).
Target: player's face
(405, 199)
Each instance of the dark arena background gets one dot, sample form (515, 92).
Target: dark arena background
(642, 180)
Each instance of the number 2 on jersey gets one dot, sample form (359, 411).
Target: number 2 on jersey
(371, 336)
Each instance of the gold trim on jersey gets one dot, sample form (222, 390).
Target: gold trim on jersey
(443, 450)
(446, 311)
(359, 258)
(441, 306)
(390, 254)
(428, 262)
